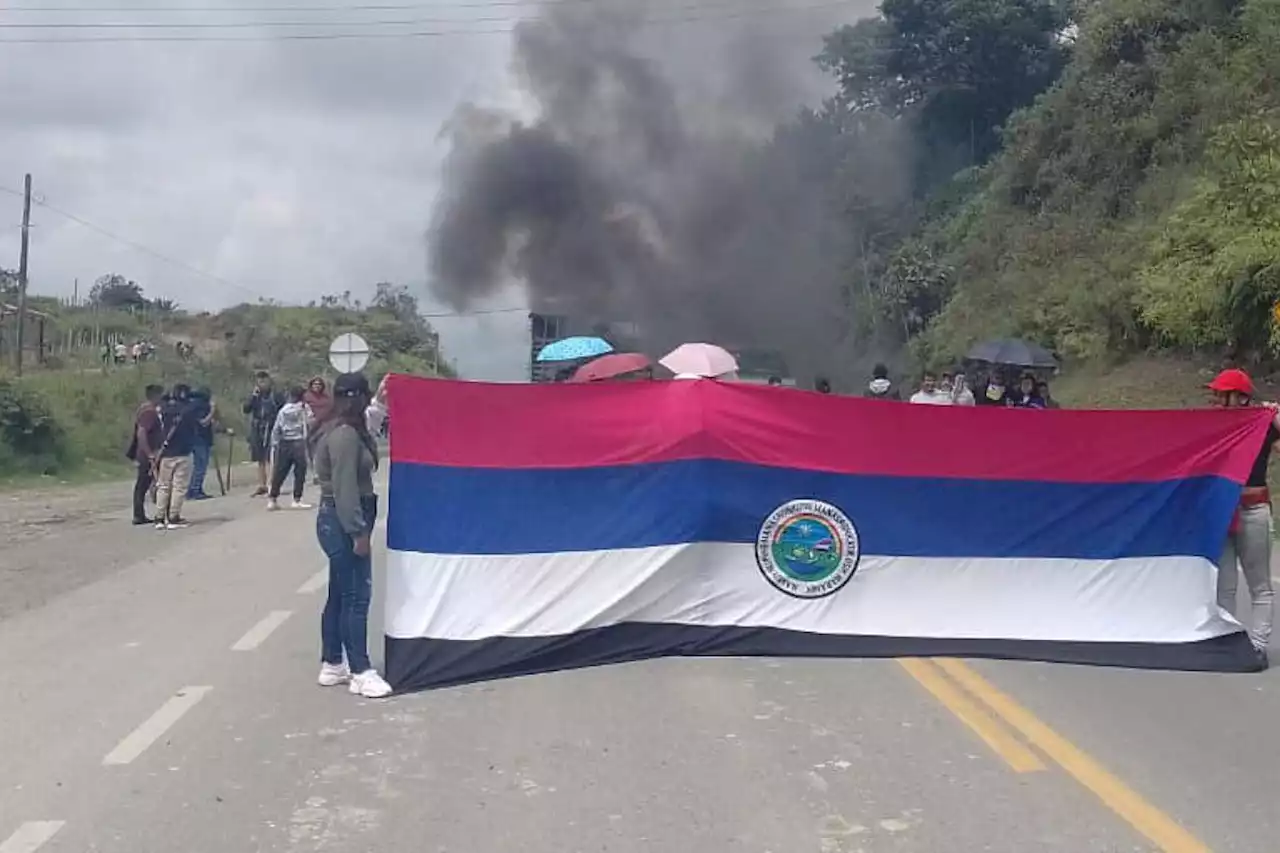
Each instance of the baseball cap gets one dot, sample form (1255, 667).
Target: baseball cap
(1233, 379)
(351, 385)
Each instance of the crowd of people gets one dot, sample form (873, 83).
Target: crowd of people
(952, 389)
(332, 433)
(173, 443)
(119, 352)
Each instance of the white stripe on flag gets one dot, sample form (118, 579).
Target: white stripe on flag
(1149, 599)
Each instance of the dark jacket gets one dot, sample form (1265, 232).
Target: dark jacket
(883, 389)
(262, 408)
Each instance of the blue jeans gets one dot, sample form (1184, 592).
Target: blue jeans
(344, 626)
(199, 468)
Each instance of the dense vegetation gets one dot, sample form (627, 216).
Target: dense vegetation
(75, 412)
(1101, 176)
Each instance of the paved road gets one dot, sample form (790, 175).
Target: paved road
(158, 697)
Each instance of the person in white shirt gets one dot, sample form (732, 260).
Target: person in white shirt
(930, 394)
(960, 393)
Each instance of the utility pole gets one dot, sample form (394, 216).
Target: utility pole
(22, 267)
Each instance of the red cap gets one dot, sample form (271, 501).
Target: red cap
(1232, 380)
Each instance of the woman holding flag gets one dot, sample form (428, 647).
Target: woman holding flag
(346, 457)
(1249, 537)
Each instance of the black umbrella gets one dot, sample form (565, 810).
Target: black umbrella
(1012, 352)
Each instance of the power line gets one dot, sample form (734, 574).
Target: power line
(403, 22)
(413, 34)
(146, 250)
(161, 256)
(339, 9)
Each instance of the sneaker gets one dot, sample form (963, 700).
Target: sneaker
(333, 674)
(258, 492)
(370, 685)
(138, 522)
(272, 504)
(300, 505)
(160, 525)
(177, 524)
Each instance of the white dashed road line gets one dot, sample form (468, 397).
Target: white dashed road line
(256, 635)
(315, 583)
(29, 837)
(159, 723)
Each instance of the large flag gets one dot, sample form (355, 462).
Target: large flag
(541, 527)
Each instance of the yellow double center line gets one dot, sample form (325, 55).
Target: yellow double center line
(991, 714)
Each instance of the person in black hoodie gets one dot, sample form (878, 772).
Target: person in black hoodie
(173, 469)
(262, 407)
(880, 388)
(204, 413)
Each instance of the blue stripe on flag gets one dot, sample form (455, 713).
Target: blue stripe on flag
(443, 510)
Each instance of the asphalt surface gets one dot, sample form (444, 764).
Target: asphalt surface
(159, 696)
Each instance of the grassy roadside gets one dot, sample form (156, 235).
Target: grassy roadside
(90, 472)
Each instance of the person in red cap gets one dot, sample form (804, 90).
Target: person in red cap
(1249, 538)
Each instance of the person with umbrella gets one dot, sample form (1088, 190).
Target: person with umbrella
(995, 392)
(1028, 397)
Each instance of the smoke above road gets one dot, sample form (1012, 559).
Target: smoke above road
(650, 184)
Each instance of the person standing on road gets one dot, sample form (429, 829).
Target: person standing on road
(346, 457)
(289, 449)
(960, 393)
(930, 394)
(318, 400)
(881, 387)
(1027, 397)
(148, 435)
(173, 473)
(202, 409)
(1249, 537)
(262, 407)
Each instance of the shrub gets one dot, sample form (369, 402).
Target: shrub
(31, 439)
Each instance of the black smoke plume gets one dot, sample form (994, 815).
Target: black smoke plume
(652, 186)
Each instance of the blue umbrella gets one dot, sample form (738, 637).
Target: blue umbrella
(572, 349)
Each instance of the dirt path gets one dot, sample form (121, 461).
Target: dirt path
(60, 538)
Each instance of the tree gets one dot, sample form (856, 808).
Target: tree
(115, 291)
(1214, 278)
(395, 299)
(956, 68)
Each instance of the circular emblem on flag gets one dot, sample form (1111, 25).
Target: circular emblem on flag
(807, 548)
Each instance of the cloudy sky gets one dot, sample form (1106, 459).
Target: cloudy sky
(282, 168)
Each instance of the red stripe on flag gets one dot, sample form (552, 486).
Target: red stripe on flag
(483, 425)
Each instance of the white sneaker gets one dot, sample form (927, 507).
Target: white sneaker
(333, 674)
(370, 685)
(160, 524)
(180, 524)
(272, 504)
(300, 505)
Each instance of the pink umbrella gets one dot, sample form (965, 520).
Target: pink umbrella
(700, 360)
(611, 366)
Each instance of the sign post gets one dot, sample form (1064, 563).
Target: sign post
(348, 353)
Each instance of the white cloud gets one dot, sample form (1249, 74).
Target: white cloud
(291, 169)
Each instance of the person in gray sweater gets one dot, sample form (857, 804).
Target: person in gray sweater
(290, 449)
(346, 457)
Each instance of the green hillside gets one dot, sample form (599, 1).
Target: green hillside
(1102, 177)
(70, 413)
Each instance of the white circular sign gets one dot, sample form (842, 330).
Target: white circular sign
(348, 353)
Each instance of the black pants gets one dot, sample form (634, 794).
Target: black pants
(141, 486)
(290, 456)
